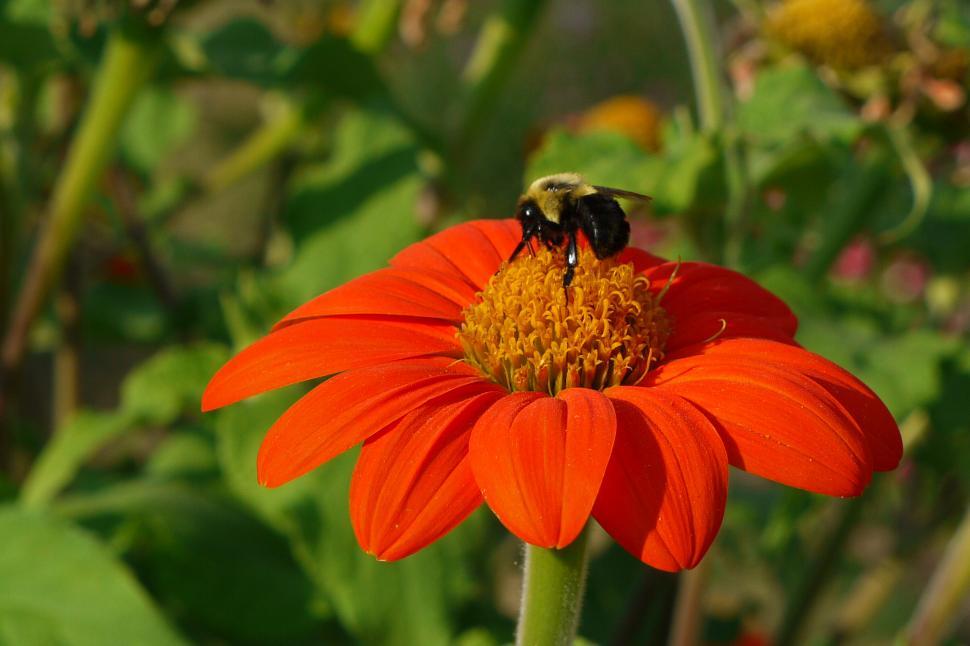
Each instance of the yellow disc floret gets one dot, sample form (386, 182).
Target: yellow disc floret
(526, 332)
(844, 34)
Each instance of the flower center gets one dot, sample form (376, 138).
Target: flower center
(525, 333)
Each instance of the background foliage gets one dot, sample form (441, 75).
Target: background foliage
(176, 176)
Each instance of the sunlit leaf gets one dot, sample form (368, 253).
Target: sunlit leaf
(407, 602)
(59, 586)
(171, 382)
(67, 451)
(792, 102)
(158, 121)
(245, 49)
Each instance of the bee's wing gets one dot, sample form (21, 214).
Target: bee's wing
(619, 192)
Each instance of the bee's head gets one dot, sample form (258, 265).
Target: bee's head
(528, 211)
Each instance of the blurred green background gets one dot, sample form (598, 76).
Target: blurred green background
(175, 176)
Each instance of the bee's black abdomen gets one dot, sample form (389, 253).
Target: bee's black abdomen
(604, 223)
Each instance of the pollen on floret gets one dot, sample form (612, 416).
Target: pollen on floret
(527, 333)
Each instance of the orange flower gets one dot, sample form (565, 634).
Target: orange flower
(625, 399)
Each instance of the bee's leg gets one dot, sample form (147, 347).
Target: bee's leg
(572, 261)
(518, 249)
(527, 235)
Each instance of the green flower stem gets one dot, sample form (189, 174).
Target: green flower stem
(715, 116)
(497, 50)
(262, 145)
(129, 59)
(868, 595)
(552, 594)
(688, 617)
(373, 30)
(376, 24)
(859, 189)
(946, 592)
(813, 578)
(697, 22)
(920, 182)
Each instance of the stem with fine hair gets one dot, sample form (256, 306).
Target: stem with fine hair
(129, 59)
(552, 594)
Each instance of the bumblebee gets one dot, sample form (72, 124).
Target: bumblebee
(556, 208)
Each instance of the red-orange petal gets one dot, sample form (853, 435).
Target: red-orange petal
(320, 347)
(353, 406)
(391, 292)
(700, 296)
(880, 429)
(666, 484)
(413, 482)
(642, 260)
(775, 423)
(473, 250)
(539, 461)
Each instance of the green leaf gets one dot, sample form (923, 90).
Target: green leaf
(156, 392)
(244, 584)
(245, 49)
(350, 215)
(946, 449)
(119, 312)
(944, 236)
(337, 67)
(59, 586)
(210, 563)
(347, 216)
(183, 454)
(69, 449)
(26, 44)
(171, 382)
(411, 601)
(952, 24)
(791, 102)
(159, 120)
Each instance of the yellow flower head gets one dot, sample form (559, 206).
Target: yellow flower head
(844, 34)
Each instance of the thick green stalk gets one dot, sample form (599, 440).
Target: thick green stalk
(552, 594)
(946, 592)
(128, 61)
